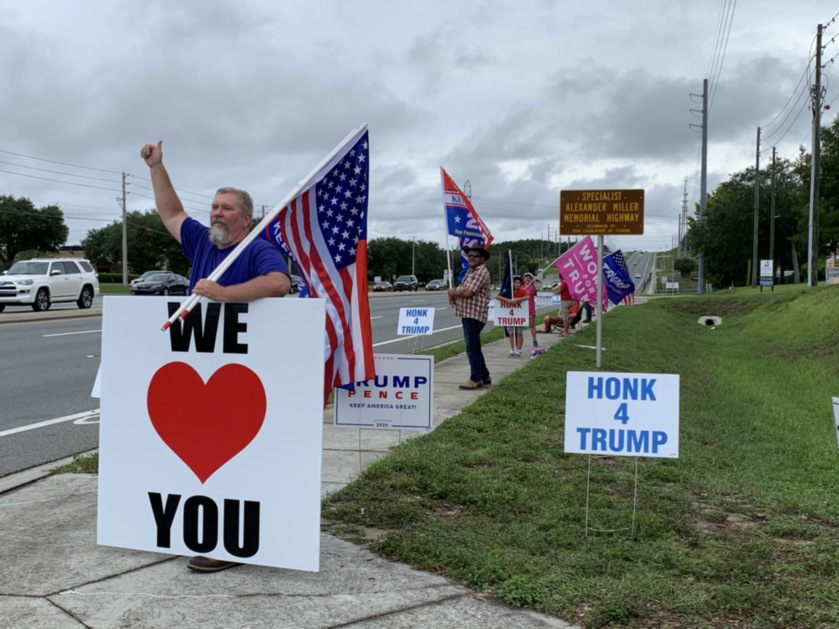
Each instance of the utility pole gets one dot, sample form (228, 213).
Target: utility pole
(813, 231)
(414, 255)
(757, 210)
(772, 222)
(124, 237)
(684, 221)
(703, 186)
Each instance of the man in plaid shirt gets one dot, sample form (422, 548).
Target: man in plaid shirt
(470, 301)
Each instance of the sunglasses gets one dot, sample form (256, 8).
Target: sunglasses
(474, 255)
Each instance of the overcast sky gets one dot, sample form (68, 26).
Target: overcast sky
(522, 98)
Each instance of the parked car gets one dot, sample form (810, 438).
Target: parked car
(382, 287)
(436, 285)
(406, 282)
(161, 284)
(43, 282)
(146, 275)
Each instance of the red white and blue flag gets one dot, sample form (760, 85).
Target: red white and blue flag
(619, 285)
(462, 220)
(324, 230)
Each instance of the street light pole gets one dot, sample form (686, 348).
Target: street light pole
(414, 255)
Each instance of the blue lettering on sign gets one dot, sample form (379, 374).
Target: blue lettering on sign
(620, 440)
(416, 329)
(398, 381)
(417, 312)
(621, 388)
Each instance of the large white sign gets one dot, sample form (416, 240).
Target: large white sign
(398, 398)
(544, 299)
(625, 414)
(211, 433)
(415, 321)
(515, 316)
(766, 268)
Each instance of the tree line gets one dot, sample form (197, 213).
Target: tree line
(726, 234)
(27, 231)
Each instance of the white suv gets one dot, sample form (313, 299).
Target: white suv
(44, 282)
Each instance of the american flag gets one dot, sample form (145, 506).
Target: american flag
(324, 230)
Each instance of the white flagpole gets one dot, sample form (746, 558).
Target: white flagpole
(183, 311)
(510, 264)
(446, 223)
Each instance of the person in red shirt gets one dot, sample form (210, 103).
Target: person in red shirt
(529, 287)
(565, 303)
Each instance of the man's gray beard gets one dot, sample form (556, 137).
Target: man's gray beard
(220, 236)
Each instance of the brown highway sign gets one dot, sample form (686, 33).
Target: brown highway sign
(601, 212)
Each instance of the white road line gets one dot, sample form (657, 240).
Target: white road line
(46, 336)
(50, 422)
(382, 317)
(413, 336)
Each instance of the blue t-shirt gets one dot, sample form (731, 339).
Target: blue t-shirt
(259, 257)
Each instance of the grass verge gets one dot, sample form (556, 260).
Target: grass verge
(81, 464)
(741, 530)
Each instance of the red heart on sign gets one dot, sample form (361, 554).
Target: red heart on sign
(206, 425)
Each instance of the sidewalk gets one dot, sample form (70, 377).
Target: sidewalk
(54, 574)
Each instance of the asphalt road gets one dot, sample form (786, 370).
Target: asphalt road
(48, 367)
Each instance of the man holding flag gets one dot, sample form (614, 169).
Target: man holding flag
(259, 271)
(470, 301)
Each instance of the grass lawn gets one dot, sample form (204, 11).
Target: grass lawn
(114, 289)
(742, 530)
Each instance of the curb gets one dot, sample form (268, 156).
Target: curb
(34, 474)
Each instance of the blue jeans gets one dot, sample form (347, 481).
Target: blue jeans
(472, 336)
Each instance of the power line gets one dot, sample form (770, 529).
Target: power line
(795, 89)
(729, 19)
(56, 172)
(179, 190)
(51, 161)
(71, 183)
(191, 207)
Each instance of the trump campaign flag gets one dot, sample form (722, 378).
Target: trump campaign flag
(324, 230)
(506, 289)
(462, 220)
(578, 267)
(619, 286)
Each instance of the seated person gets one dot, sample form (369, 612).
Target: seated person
(552, 321)
(549, 322)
